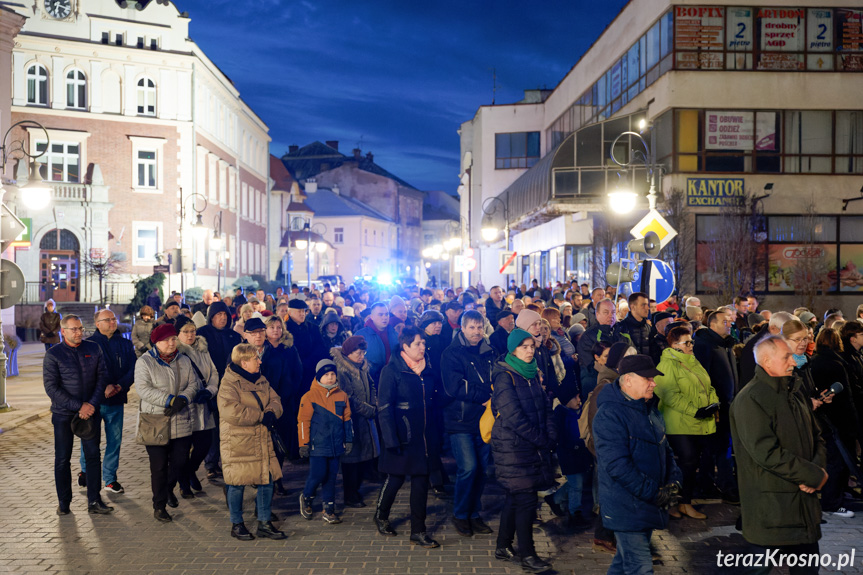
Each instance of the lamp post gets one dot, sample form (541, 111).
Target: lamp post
(308, 244)
(490, 231)
(294, 224)
(36, 196)
(198, 227)
(623, 201)
(216, 244)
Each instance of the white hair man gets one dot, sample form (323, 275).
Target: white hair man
(747, 360)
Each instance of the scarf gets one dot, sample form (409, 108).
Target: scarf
(801, 360)
(416, 366)
(383, 335)
(526, 370)
(167, 358)
(329, 387)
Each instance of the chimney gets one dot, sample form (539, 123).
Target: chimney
(334, 144)
(357, 153)
(370, 157)
(311, 186)
(293, 148)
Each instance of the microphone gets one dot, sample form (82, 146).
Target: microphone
(831, 391)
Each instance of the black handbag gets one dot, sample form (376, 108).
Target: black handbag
(278, 445)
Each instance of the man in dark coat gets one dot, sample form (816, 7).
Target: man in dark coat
(494, 304)
(221, 341)
(466, 367)
(747, 358)
(596, 296)
(170, 311)
(204, 304)
(452, 312)
(75, 377)
(307, 340)
(239, 298)
(713, 350)
(780, 458)
(505, 325)
(602, 331)
(154, 301)
(120, 358)
(380, 337)
(635, 327)
(638, 478)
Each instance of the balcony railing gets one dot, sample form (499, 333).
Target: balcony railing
(70, 192)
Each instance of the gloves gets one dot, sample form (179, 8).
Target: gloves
(706, 412)
(348, 448)
(269, 420)
(304, 451)
(203, 396)
(395, 450)
(668, 496)
(177, 405)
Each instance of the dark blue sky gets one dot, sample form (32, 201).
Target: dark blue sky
(400, 75)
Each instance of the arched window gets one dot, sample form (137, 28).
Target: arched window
(76, 89)
(146, 97)
(37, 85)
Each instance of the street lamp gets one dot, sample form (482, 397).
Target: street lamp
(307, 244)
(293, 225)
(199, 230)
(490, 232)
(216, 244)
(623, 201)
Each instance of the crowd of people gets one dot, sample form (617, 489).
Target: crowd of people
(618, 413)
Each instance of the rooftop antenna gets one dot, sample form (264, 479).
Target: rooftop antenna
(493, 85)
(360, 143)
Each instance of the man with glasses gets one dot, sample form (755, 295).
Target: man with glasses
(120, 357)
(75, 378)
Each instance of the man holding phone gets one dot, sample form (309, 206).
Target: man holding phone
(780, 457)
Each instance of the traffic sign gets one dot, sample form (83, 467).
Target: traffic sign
(11, 284)
(164, 269)
(657, 280)
(11, 227)
(654, 222)
(507, 262)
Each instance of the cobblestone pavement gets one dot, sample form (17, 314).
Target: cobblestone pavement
(35, 540)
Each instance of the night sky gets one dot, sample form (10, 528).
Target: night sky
(398, 76)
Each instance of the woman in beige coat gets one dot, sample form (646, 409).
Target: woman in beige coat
(248, 410)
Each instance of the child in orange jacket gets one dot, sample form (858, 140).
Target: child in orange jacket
(325, 433)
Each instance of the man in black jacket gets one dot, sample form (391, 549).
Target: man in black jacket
(221, 341)
(747, 358)
(634, 326)
(494, 304)
(119, 354)
(75, 378)
(466, 367)
(602, 331)
(170, 311)
(307, 340)
(713, 350)
(505, 325)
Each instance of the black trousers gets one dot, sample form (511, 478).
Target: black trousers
(63, 442)
(352, 479)
(201, 442)
(838, 474)
(802, 549)
(165, 460)
(516, 518)
(419, 498)
(688, 450)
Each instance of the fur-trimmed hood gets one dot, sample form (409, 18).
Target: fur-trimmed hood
(346, 365)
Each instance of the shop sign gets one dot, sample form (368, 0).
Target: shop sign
(730, 130)
(713, 192)
(782, 30)
(697, 31)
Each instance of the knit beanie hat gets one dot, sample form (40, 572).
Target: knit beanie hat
(515, 338)
(429, 317)
(526, 318)
(615, 354)
(163, 332)
(324, 367)
(182, 321)
(396, 300)
(169, 303)
(352, 344)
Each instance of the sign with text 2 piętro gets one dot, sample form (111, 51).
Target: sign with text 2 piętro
(711, 192)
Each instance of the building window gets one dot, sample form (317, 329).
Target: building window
(140, 43)
(366, 237)
(146, 236)
(63, 159)
(154, 44)
(76, 89)
(146, 97)
(37, 85)
(339, 235)
(118, 39)
(106, 37)
(516, 150)
(146, 168)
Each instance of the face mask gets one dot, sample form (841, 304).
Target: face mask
(800, 359)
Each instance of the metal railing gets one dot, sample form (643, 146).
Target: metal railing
(119, 292)
(32, 293)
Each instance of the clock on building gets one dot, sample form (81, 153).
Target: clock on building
(58, 8)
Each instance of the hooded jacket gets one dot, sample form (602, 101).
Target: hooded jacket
(634, 460)
(324, 421)
(684, 389)
(467, 375)
(157, 383)
(202, 413)
(341, 335)
(355, 381)
(49, 324)
(220, 342)
(778, 447)
(246, 445)
(120, 358)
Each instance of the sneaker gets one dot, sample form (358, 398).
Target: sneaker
(331, 517)
(82, 479)
(842, 512)
(306, 507)
(115, 487)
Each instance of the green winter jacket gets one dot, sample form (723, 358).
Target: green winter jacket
(682, 390)
(778, 447)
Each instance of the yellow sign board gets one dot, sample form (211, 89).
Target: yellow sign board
(654, 222)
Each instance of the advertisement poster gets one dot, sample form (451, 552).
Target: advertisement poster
(730, 130)
(708, 279)
(850, 275)
(789, 265)
(738, 38)
(698, 30)
(849, 24)
(781, 30)
(765, 131)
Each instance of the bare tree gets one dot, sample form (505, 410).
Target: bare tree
(811, 269)
(608, 232)
(103, 268)
(681, 251)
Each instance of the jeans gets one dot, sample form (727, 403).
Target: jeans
(472, 456)
(419, 499)
(63, 443)
(112, 415)
(633, 554)
(165, 462)
(571, 491)
(263, 499)
(802, 549)
(516, 518)
(322, 470)
(688, 450)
